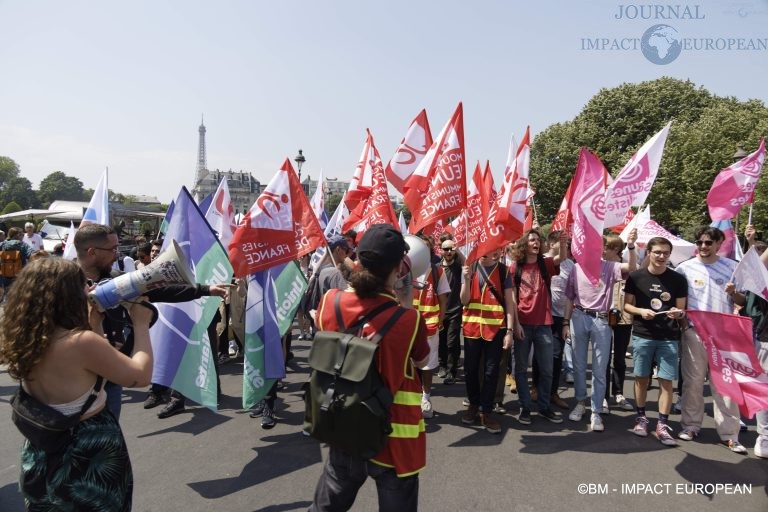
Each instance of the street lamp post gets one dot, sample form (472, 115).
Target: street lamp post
(299, 159)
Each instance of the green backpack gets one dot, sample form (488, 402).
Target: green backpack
(347, 402)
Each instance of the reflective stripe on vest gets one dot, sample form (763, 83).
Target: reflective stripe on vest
(483, 316)
(404, 431)
(407, 398)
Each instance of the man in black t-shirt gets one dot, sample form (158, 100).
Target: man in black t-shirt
(656, 296)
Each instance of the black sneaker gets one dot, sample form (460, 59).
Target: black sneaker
(442, 372)
(525, 416)
(258, 409)
(554, 417)
(449, 379)
(175, 406)
(267, 418)
(152, 400)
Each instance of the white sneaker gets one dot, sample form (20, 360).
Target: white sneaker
(623, 403)
(605, 409)
(232, 347)
(761, 447)
(426, 408)
(596, 423)
(577, 412)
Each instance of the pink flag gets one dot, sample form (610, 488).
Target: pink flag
(588, 212)
(279, 227)
(410, 152)
(751, 274)
(635, 180)
(735, 185)
(733, 365)
(437, 189)
(377, 207)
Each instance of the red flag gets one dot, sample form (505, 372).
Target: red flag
(362, 180)
(437, 189)
(468, 225)
(410, 152)
(516, 189)
(733, 365)
(279, 227)
(491, 235)
(528, 219)
(627, 219)
(376, 208)
(563, 219)
(735, 185)
(588, 211)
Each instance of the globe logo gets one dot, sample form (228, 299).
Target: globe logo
(661, 44)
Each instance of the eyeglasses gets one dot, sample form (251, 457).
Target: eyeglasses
(705, 243)
(110, 249)
(447, 249)
(664, 254)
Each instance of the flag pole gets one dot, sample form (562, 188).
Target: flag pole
(750, 214)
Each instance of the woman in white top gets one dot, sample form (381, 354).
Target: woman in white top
(49, 345)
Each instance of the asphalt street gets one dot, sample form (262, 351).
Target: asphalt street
(203, 461)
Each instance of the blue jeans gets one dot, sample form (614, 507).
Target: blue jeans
(762, 416)
(586, 329)
(344, 474)
(481, 382)
(540, 338)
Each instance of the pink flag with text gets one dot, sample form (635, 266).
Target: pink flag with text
(734, 186)
(634, 181)
(410, 152)
(733, 365)
(587, 209)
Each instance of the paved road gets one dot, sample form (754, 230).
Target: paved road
(200, 461)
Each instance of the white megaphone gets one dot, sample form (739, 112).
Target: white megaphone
(419, 256)
(169, 268)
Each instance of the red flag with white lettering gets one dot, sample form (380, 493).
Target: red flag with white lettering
(280, 226)
(437, 189)
(516, 189)
(468, 225)
(376, 208)
(734, 368)
(588, 212)
(491, 236)
(410, 152)
(362, 180)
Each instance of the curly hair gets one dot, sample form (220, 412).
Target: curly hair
(46, 295)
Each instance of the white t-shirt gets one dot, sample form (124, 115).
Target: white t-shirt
(35, 242)
(706, 284)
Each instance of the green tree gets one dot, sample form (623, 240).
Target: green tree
(58, 185)
(8, 169)
(332, 203)
(617, 121)
(11, 208)
(19, 190)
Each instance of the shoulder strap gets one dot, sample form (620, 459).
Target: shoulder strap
(367, 318)
(490, 285)
(94, 394)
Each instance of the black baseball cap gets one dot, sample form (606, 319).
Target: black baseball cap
(381, 245)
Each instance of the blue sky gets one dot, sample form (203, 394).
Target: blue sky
(85, 85)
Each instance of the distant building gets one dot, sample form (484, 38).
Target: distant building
(244, 189)
(333, 186)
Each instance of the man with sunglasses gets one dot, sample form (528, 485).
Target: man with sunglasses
(449, 347)
(656, 297)
(707, 275)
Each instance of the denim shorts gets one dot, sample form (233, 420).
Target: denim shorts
(663, 352)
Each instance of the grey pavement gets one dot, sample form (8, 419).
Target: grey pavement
(204, 461)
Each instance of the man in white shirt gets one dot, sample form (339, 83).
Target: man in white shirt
(32, 239)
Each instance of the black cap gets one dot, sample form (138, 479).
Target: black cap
(381, 245)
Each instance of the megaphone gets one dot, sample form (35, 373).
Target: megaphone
(170, 267)
(419, 256)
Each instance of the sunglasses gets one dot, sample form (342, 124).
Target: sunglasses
(705, 243)
(447, 249)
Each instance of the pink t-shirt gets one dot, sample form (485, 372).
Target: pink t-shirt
(583, 293)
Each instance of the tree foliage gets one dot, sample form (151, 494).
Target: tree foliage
(8, 170)
(11, 207)
(616, 122)
(19, 190)
(58, 185)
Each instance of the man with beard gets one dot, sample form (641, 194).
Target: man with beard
(449, 348)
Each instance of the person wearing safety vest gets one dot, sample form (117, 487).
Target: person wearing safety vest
(430, 297)
(490, 319)
(401, 350)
